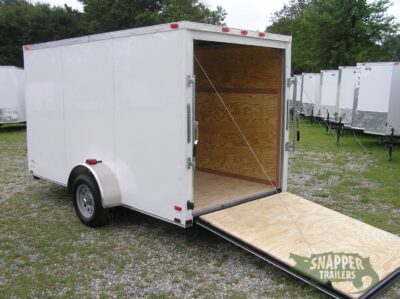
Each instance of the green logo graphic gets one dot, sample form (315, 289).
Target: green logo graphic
(337, 267)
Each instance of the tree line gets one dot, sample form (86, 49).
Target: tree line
(326, 33)
(330, 33)
(23, 22)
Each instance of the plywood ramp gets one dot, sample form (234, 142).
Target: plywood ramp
(249, 80)
(211, 190)
(294, 230)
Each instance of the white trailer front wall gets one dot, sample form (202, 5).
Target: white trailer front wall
(310, 94)
(374, 91)
(45, 117)
(298, 87)
(12, 95)
(329, 87)
(346, 89)
(118, 100)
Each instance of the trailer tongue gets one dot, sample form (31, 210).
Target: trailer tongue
(339, 255)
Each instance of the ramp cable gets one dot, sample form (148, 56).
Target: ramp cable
(254, 154)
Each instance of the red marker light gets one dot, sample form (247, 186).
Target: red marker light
(189, 222)
(261, 34)
(244, 32)
(91, 161)
(225, 29)
(174, 26)
(178, 208)
(177, 220)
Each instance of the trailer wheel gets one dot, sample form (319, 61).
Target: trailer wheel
(87, 201)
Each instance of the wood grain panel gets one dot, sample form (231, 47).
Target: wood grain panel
(272, 225)
(212, 189)
(249, 81)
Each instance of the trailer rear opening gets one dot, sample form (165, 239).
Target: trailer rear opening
(249, 80)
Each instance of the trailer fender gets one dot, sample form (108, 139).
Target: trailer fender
(106, 180)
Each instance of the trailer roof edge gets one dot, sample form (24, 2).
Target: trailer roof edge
(184, 25)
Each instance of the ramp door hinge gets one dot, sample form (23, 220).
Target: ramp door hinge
(289, 147)
(289, 82)
(190, 205)
(191, 163)
(191, 80)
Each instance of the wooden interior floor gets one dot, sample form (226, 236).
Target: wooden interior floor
(211, 190)
(291, 229)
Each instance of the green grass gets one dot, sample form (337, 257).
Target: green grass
(46, 252)
(367, 175)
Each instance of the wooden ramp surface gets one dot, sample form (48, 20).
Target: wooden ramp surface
(299, 233)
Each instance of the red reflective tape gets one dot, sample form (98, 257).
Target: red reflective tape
(225, 29)
(244, 32)
(177, 220)
(174, 26)
(178, 208)
(261, 34)
(91, 161)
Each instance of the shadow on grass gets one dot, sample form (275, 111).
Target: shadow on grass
(11, 128)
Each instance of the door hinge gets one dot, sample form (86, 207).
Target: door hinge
(289, 147)
(190, 80)
(191, 163)
(289, 82)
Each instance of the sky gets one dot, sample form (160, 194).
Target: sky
(249, 14)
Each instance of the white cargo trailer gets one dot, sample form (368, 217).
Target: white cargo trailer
(310, 94)
(188, 123)
(377, 98)
(12, 95)
(345, 94)
(329, 87)
(298, 85)
(291, 94)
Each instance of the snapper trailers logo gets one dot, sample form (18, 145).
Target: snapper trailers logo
(337, 267)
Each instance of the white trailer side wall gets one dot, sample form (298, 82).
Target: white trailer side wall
(329, 86)
(12, 95)
(346, 89)
(119, 100)
(394, 105)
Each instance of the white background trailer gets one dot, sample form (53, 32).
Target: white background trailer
(122, 107)
(345, 94)
(310, 94)
(377, 101)
(329, 87)
(12, 95)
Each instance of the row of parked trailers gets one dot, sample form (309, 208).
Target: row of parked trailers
(363, 97)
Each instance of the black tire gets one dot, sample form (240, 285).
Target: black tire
(98, 216)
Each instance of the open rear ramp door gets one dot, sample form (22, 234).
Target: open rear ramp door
(339, 255)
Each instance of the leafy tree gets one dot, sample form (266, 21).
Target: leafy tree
(24, 23)
(109, 15)
(329, 33)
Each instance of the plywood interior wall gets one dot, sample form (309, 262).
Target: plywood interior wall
(249, 79)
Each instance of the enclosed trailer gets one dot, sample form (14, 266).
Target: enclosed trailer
(291, 94)
(377, 98)
(329, 88)
(12, 95)
(310, 94)
(188, 123)
(298, 85)
(345, 94)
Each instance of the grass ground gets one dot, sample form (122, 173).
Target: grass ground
(46, 252)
